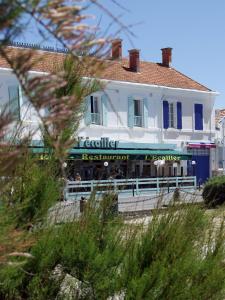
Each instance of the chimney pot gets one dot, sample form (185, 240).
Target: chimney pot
(166, 57)
(134, 60)
(116, 49)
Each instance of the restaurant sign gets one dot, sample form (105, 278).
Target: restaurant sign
(163, 157)
(95, 157)
(104, 157)
(103, 143)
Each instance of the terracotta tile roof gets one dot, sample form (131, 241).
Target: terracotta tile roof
(150, 73)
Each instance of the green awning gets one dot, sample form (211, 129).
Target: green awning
(119, 154)
(127, 154)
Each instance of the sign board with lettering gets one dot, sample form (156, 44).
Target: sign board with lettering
(95, 157)
(103, 143)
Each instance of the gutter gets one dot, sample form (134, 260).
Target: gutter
(213, 93)
(154, 86)
(32, 72)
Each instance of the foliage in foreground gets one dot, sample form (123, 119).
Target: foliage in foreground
(33, 191)
(213, 193)
(179, 255)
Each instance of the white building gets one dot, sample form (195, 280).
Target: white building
(219, 139)
(148, 111)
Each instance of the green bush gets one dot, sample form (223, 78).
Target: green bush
(178, 255)
(214, 192)
(90, 249)
(33, 190)
(176, 258)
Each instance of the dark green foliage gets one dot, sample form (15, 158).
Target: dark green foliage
(214, 192)
(175, 258)
(33, 191)
(91, 249)
(179, 255)
(176, 195)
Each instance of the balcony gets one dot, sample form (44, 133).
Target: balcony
(95, 118)
(138, 121)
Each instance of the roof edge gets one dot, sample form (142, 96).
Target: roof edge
(191, 79)
(156, 86)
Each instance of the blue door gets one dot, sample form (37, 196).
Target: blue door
(201, 168)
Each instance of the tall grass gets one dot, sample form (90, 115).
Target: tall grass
(178, 255)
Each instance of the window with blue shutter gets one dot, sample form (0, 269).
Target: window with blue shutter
(145, 112)
(14, 101)
(198, 117)
(179, 115)
(104, 109)
(130, 117)
(87, 111)
(165, 114)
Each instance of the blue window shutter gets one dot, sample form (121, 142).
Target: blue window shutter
(145, 100)
(165, 114)
(179, 115)
(198, 117)
(104, 109)
(14, 101)
(87, 111)
(130, 116)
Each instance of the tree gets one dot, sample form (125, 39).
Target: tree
(62, 90)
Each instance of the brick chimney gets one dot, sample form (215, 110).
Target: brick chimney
(166, 57)
(116, 49)
(134, 60)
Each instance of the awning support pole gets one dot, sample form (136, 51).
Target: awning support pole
(137, 191)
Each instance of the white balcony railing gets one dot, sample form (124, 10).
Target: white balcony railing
(138, 121)
(95, 118)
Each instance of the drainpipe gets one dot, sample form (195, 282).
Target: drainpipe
(161, 117)
(223, 132)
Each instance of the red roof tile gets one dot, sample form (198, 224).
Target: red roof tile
(150, 73)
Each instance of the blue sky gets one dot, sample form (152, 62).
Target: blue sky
(195, 29)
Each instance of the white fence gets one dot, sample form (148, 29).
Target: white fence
(130, 187)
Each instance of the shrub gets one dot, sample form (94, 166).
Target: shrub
(179, 255)
(90, 249)
(176, 195)
(32, 191)
(214, 192)
(176, 257)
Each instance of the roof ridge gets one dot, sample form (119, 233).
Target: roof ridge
(37, 47)
(153, 73)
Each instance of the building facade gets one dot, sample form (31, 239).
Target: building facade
(149, 121)
(220, 141)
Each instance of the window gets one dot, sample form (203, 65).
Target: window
(172, 115)
(198, 110)
(181, 171)
(138, 113)
(14, 102)
(95, 110)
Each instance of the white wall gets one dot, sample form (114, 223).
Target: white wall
(117, 128)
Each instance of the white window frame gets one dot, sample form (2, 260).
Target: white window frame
(174, 125)
(139, 119)
(96, 116)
